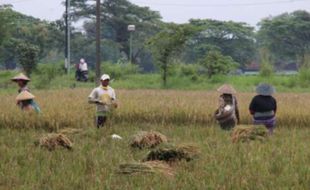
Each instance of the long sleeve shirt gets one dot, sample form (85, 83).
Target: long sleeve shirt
(263, 104)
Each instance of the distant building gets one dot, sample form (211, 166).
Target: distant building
(251, 69)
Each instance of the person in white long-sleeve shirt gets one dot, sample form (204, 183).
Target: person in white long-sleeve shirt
(82, 70)
(105, 99)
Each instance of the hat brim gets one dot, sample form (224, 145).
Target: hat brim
(15, 80)
(25, 95)
(21, 76)
(226, 89)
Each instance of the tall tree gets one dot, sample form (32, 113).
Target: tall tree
(230, 38)
(116, 16)
(167, 43)
(27, 56)
(287, 36)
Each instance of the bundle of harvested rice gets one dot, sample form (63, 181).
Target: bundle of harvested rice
(247, 133)
(174, 153)
(146, 139)
(70, 131)
(147, 167)
(52, 140)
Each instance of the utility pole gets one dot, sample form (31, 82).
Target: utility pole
(98, 21)
(67, 48)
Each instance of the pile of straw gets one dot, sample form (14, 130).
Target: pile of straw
(247, 133)
(174, 153)
(147, 167)
(51, 141)
(147, 139)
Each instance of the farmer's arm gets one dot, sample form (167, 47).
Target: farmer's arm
(275, 106)
(93, 97)
(237, 111)
(252, 107)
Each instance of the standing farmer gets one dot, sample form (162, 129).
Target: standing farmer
(22, 81)
(263, 107)
(228, 113)
(105, 99)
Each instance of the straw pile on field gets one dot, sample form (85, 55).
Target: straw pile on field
(145, 139)
(147, 167)
(174, 153)
(247, 133)
(51, 141)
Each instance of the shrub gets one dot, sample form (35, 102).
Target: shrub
(188, 69)
(50, 70)
(304, 76)
(218, 79)
(47, 72)
(217, 63)
(266, 69)
(119, 70)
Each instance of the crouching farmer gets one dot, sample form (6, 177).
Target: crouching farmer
(105, 99)
(25, 100)
(228, 113)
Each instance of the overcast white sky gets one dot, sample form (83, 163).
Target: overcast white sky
(180, 11)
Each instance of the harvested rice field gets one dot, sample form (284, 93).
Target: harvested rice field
(97, 161)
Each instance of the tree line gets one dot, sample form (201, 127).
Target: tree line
(217, 45)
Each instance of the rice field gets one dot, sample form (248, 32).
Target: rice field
(280, 162)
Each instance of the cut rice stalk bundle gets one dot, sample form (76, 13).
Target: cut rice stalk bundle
(51, 141)
(248, 133)
(146, 167)
(146, 139)
(174, 153)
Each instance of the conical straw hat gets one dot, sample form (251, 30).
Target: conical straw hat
(24, 95)
(226, 89)
(20, 76)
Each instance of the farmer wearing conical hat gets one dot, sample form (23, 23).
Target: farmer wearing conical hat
(26, 102)
(105, 99)
(263, 107)
(228, 113)
(22, 81)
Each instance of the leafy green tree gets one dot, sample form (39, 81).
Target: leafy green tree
(21, 28)
(287, 36)
(5, 22)
(165, 44)
(6, 25)
(27, 56)
(216, 63)
(232, 39)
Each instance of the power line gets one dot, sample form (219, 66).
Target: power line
(221, 5)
